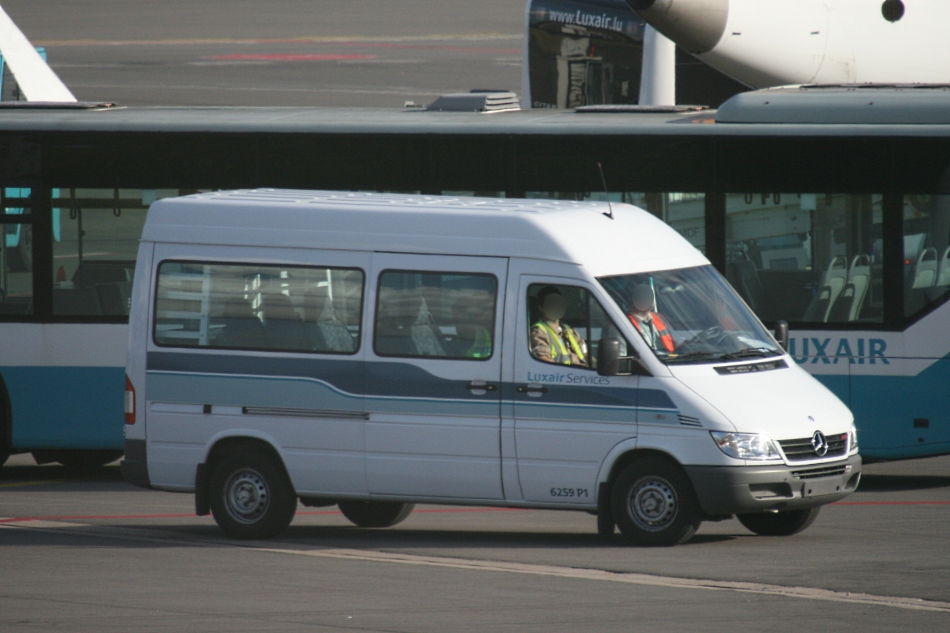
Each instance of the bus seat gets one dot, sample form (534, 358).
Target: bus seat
(283, 327)
(943, 272)
(746, 279)
(94, 272)
(859, 278)
(16, 305)
(925, 269)
(76, 302)
(114, 298)
(242, 328)
(834, 281)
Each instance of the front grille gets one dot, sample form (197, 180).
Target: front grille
(821, 471)
(801, 450)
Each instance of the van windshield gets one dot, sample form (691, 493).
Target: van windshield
(690, 315)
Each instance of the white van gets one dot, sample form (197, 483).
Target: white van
(376, 351)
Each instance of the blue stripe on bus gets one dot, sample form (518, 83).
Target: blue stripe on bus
(66, 407)
(885, 408)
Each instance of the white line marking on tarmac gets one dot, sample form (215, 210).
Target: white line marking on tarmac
(652, 580)
(555, 571)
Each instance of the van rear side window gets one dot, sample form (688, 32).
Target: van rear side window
(282, 308)
(429, 314)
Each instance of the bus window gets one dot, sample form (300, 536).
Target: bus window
(95, 241)
(807, 258)
(685, 212)
(926, 251)
(16, 252)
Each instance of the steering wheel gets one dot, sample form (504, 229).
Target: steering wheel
(712, 335)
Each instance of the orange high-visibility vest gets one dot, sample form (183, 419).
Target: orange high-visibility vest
(662, 332)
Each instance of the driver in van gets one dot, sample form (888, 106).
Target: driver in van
(551, 340)
(648, 323)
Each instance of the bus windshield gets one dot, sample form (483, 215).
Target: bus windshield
(690, 315)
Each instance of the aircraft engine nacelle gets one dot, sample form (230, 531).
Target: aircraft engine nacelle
(765, 43)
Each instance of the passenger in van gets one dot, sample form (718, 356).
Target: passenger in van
(242, 328)
(648, 323)
(473, 321)
(551, 340)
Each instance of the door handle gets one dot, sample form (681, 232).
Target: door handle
(481, 385)
(530, 388)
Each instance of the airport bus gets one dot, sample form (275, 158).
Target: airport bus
(819, 214)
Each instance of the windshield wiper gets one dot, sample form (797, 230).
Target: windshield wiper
(751, 352)
(758, 352)
(693, 356)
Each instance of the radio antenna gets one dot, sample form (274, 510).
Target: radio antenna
(603, 181)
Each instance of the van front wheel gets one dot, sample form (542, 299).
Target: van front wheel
(251, 497)
(779, 523)
(654, 504)
(375, 514)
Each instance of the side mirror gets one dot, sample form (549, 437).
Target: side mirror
(608, 357)
(781, 334)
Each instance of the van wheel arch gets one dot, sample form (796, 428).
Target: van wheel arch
(605, 521)
(220, 450)
(638, 453)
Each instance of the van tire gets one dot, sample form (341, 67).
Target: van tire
(376, 514)
(251, 496)
(654, 504)
(779, 523)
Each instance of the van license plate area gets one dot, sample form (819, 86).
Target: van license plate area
(822, 487)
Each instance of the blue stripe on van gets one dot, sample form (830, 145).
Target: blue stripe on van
(388, 387)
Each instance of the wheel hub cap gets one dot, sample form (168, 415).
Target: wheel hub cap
(653, 504)
(246, 496)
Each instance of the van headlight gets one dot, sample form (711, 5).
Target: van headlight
(758, 446)
(853, 439)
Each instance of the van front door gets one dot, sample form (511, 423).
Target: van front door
(433, 378)
(567, 418)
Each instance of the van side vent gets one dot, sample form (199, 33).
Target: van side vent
(689, 420)
(476, 101)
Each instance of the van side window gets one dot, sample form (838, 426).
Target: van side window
(566, 324)
(444, 315)
(295, 309)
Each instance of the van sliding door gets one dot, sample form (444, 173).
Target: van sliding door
(433, 377)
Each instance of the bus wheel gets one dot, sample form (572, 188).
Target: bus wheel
(654, 504)
(779, 523)
(375, 514)
(251, 496)
(84, 460)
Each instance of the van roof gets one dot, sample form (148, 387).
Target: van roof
(564, 231)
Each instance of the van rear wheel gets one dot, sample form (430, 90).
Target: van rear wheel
(376, 514)
(251, 496)
(779, 523)
(654, 504)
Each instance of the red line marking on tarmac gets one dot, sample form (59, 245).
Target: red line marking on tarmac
(191, 516)
(292, 57)
(432, 47)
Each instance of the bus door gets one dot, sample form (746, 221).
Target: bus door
(433, 378)
(567, 418)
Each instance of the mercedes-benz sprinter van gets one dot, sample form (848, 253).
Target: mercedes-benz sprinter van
(376, 351)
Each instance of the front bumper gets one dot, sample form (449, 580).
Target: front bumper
(723, 490)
